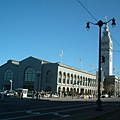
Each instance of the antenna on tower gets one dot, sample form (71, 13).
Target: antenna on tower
(106, 18)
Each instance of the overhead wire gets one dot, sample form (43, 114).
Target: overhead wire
(97, 21)
(87, 10)
(115, 40)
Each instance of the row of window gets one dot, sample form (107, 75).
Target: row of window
(67, 78)
(29, 75)
(78, 82)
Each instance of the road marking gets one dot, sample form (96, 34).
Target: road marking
(57, 114)
(20, 117)
(46, 108)
(33, 113)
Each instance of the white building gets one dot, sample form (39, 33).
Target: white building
(107, 51)
(111, 83)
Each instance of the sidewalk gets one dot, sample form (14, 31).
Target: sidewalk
(67, 99)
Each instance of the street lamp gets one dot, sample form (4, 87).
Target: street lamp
(100, 23)
(10, 84)
(38, 75)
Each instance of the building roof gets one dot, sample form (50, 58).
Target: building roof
(76, 69)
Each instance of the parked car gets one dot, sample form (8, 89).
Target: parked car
(82, 96)
(105, 96)
(11, 93)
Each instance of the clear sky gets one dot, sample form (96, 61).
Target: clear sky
(43, 28)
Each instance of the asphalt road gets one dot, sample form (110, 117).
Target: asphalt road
(58, 109)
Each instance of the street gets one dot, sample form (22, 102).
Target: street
(58, 109)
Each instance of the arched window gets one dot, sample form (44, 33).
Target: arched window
(68, 78)
(83, 81)
(74, 79)
(64, 77)
(8, 75)
(78, 80)
(49, 77)
(71, 78)
(60, 77)
(29, 74)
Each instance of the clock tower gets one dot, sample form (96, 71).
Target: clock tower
(106, 52)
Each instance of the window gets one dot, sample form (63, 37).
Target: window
(60, 77)
(64, 77)
(59, 80)
(49, 80)
(68, 78)
(74, 79)
(8, 75)
(71, 78)
(49, 77)
(29, 74)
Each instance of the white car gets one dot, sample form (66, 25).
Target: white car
(104, 96)
(11, 93)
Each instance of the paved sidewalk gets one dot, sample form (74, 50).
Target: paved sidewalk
(75, 99)
(69, 99)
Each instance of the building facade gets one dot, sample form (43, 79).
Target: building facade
(37, 75)
(107, 52)
(111, 83)
(53, 77)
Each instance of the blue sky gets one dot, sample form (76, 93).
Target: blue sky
(42, 28)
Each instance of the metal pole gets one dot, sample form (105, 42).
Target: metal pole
(38, 74)
(37, 86)
(99, 107)
(10, 84)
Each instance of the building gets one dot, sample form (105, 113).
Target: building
(107, 52)
(36, 75)
(111, 83)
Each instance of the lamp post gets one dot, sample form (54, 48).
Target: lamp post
(38, 75)
(100, 23)
(10, 84)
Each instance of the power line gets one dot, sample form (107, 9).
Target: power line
(114, 40)
(87, 10)
(95, 19)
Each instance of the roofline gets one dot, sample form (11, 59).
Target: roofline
(72, 68)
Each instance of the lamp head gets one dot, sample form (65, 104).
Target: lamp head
(113, 23)
(88, 26)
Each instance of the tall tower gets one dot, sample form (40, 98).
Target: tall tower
(107, 52)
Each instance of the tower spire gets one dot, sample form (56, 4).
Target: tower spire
(106, 30)
(106, 49)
